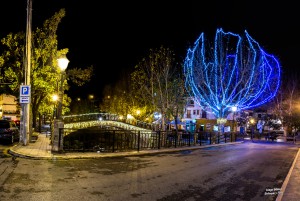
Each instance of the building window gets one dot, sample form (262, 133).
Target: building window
(188, 114)
(194, 112)
(198, 112)
(204, 114)
(190, 103)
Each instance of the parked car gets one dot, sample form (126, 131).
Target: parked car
(45, 128)
(273, 135)
(9, 132)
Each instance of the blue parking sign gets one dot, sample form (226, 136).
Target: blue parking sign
(25, 90)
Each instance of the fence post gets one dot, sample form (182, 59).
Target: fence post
(139, 137)
(200, 138)
(210, 142)
(114, 132)
(176, 136)
(225, 137)
(218, 138)
(158, 145)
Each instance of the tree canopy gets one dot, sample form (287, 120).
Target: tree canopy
(45, 74)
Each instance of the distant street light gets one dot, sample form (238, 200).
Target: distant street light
(62, 64)
(92, 106)
(138, 112)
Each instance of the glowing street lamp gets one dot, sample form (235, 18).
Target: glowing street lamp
(234, 108)
(92, 105)
(252, 127)
(55, 97)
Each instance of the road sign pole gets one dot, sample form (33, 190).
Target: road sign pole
(25, 116)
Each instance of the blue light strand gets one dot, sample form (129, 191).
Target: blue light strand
(240, 73)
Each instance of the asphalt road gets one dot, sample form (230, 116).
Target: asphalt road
(241, 172)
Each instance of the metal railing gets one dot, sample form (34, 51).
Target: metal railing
(86, 140)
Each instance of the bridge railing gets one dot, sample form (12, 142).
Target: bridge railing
(88, 117)
(112, 140)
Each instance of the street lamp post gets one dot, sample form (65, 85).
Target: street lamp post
(252, 127)
(234, 109)
(54, 99)
(62, 64)
(57, 137)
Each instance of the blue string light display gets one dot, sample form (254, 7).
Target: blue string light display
(235, 72)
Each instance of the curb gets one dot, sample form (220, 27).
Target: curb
(287, 178)
(6, 153)
(89, 155)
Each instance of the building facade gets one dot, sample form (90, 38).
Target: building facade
(196, 118)
(9, 107)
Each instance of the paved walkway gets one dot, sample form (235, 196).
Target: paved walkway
(41, 149)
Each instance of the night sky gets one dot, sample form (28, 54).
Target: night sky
(114, 36)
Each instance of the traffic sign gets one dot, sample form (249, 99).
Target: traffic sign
(25, 94)
(24, 99)
(25, 90)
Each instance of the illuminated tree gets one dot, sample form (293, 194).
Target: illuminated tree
(236, 71)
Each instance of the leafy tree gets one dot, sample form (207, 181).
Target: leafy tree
(157, 82)
(81, 106)
(45, 74)
(120, 99)
(105, 105)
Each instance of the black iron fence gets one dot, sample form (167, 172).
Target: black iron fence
(86, 140)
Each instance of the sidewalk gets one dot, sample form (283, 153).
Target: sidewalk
(41, 149)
